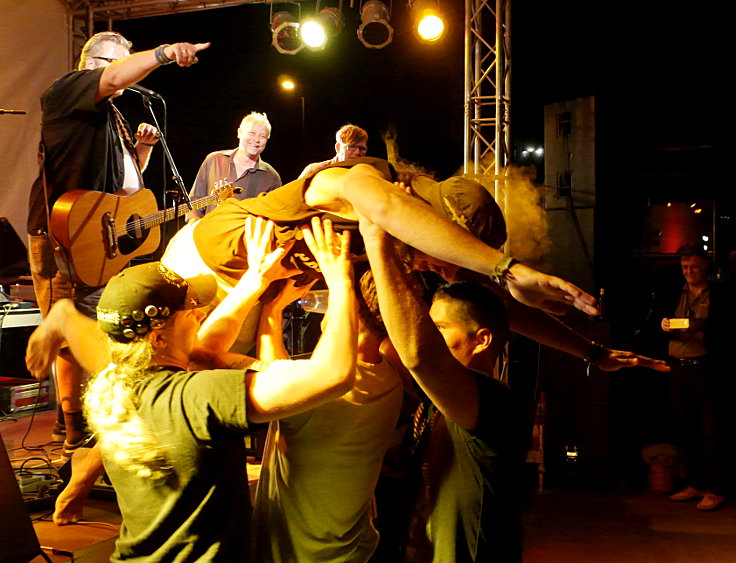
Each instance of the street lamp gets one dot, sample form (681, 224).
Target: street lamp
(288, 84)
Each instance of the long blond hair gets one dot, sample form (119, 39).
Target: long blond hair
(111, 407)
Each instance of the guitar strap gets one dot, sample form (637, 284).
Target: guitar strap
(128, 144)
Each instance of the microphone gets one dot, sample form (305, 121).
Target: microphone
(143, 91)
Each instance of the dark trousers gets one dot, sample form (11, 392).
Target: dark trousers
(695, 399)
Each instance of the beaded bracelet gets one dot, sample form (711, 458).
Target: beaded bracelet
(160, 55)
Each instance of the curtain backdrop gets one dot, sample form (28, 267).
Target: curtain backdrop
(34, 50)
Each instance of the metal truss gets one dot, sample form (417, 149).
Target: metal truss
(487, 88)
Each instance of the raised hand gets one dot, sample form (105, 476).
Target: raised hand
(262, 261)
(331, 251)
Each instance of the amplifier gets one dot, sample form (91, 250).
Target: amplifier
(17, 395)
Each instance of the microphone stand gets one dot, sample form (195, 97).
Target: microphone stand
(178, 194)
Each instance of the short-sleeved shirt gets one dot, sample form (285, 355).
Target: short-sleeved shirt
(473, 481)
(220, 165)
(319, 471)
(219, 235)
(204, 513)
(80, 141)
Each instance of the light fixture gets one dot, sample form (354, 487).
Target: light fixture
(285, 32)
(375, 31)
(316, 31)
(427, 19)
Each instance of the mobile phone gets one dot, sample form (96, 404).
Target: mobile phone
(679, 323)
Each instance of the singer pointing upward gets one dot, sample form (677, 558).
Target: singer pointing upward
(86, 144)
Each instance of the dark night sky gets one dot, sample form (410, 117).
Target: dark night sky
(655, 67)
(655, 70)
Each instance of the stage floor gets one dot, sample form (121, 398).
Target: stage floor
(27, 439)
(560, 525)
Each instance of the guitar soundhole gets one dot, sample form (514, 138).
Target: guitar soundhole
(135, 235)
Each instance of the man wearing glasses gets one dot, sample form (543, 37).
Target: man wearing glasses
(86, 144)
(351, 142)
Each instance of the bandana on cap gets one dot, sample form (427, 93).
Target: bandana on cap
(140, 297)
(465, 203)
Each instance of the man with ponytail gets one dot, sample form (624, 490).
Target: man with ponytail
(171, 437)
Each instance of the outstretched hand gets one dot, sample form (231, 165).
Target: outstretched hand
(614, 360)
(185, 54)
(332, 251)
(549, 293)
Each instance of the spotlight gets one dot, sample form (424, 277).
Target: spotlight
(285, 33)
(375, 32)
(427, 19)
(317, 30)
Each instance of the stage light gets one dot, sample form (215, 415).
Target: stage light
(427, 19)
(316, 31)
(375, 31)
(285, 33)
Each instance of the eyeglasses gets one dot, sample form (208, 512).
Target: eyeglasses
(109, 60)
(356, 148)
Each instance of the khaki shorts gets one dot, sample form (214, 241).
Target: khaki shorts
(51, 282)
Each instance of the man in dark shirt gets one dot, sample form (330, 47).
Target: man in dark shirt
(86, 144)
(694, 386)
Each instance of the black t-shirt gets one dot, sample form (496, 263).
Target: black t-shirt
(80, 140)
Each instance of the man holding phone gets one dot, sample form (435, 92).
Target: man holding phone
(694, 386)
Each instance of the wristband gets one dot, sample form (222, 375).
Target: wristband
(501, 271)
(594, 355)
(147, 144)
(160, 55)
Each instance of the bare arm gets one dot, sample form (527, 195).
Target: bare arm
(363, 190)
(448, 384)
(87, 343)
(270, 341)
(219, 331)
(120, 74)
(550, 331)
(291, 387)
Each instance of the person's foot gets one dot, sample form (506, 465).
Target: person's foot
(58, 433)
(710, 502)
(688, 493)
(86, 467)
(70, 448)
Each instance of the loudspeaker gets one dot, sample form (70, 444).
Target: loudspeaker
(13, 254)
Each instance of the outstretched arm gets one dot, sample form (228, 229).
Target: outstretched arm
(363, 190)
(291, 387)
(124, 72)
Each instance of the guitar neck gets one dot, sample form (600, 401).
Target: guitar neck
(177, 211)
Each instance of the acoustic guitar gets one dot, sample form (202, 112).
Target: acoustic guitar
(102, 232)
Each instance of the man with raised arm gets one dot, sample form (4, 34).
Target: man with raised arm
(87, 145)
